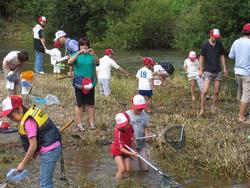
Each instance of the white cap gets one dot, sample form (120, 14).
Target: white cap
(59, 34)
(138, 102)
(122, 119)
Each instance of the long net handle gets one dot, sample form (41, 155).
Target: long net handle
(130, 149)
(66, 126)
(151, 136)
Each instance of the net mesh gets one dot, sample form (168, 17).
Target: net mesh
(175, 136)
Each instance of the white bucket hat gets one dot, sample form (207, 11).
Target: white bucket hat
(59, 34)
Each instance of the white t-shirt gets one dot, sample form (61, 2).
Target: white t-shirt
(105, 65)
(11, 57)
(192, 67)
(159, 70)
(144, 75)
(55, 55)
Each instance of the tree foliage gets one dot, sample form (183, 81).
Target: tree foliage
(128, 24)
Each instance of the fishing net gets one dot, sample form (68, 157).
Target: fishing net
(175, 136)
(166, 182)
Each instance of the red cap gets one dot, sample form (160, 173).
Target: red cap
(138, 102)
(42, 19)
(215, 33)
(86, 85)
(246, 27)
(4, 125)
(10, 103)
(148, 61)
(122, 119)
(57, 44)
(108, 51)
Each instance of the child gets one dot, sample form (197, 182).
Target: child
(145, 76)
(104, 71)
(191, 66)
(123, 135)
(56, 57)
(159, 74)
(38, 134)
(140, 122)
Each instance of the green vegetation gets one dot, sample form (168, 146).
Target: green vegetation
(132, 24)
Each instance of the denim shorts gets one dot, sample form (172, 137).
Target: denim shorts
(147, 93)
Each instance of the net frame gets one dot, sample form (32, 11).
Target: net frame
(175, 136)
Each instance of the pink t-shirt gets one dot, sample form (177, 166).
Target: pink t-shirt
(31, 130)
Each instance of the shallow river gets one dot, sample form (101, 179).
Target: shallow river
(96, 164)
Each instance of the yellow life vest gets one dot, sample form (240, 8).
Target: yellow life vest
(36, 113)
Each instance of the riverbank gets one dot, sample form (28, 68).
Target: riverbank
(216, 145)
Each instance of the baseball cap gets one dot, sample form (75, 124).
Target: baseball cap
(122, 119)
(108, 51)
(148, 61)
(86, 85)
(59, 34)
(10, 103)
(215, 33)
(192, 55)
(42, 19)
(246, 27)
(138, 102)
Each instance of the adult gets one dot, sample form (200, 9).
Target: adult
(71, 45)
(39, 44)
(104, 71)
(212, 54)
(84, 81)
(12, 63)
(240, 51)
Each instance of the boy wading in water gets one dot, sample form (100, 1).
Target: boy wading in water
(140, 122)
(123, 135)
(38, 134)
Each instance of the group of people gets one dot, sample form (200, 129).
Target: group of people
(208, 67)
(39, 134)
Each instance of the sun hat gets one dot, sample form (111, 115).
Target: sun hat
(86, 85)
(10, 103)
(122, 119)
(59, 34)
(138, 102)
(246, 27)
(148, 61)
(215, 33)
(192, 55)
(108, 51)
(42, 19)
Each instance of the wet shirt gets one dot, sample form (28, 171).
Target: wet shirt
(121, 138)
(211, 56)
(139, 123)
(240, 51)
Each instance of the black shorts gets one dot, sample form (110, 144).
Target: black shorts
(82, 99)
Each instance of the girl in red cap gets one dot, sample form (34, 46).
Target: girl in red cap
(191, 66)
(123, 135)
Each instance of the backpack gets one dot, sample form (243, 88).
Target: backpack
(168, 67)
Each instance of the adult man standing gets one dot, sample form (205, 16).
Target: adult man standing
(39, 44)
(240, 51)
(212, 54)
(71, 45)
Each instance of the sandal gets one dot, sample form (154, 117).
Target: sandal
(80, 127)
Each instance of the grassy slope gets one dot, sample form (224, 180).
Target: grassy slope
(215, 144)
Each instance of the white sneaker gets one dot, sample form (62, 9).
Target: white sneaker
(41, 72)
